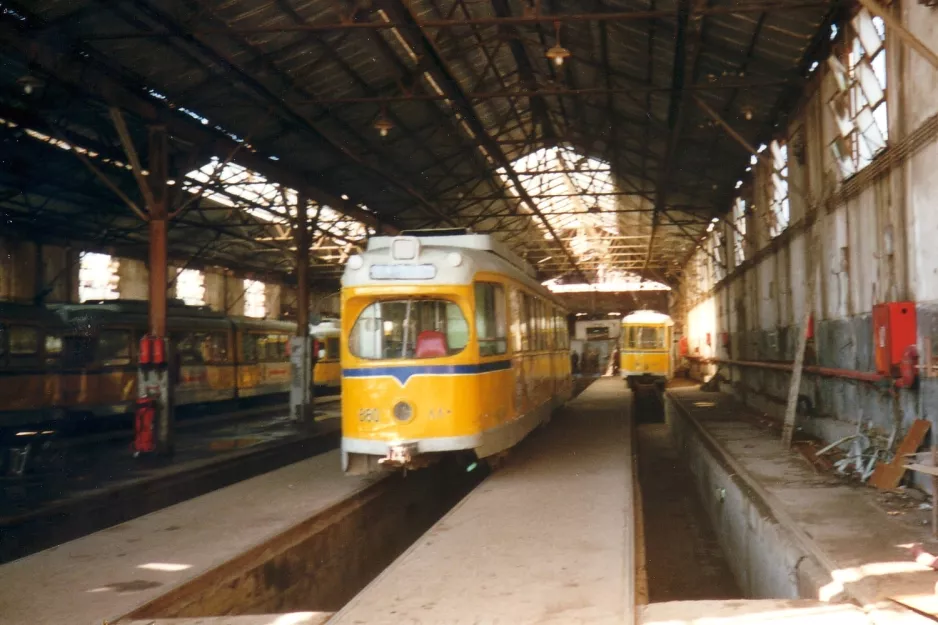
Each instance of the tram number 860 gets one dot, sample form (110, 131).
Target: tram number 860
(368, 415)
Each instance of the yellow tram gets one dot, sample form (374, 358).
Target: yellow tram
(327, 373)
(645, 348)
(450, 346)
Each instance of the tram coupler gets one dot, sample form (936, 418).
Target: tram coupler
(399, 456)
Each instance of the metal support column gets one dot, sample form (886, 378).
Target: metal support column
(158, 367)
(301, 356)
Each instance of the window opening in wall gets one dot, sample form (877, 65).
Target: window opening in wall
(190, 287)
(739, 232)
(98, 277)
(780, 208)
(703, 269)
(255, 299)
(717, 243)
(859, 105)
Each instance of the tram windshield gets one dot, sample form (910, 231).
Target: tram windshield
(644, 337)
(409, 328)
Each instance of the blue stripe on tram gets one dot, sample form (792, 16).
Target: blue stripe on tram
(404, 373)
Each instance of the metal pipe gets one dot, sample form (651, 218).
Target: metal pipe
(827, 372)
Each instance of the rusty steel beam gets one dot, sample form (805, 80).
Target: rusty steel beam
(417, 39)
(157, 207)
(547, 92)
(753, 6)
(687, 45)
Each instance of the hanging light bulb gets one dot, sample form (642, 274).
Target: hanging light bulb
(29, 84)
(557, 53)
(383, 125)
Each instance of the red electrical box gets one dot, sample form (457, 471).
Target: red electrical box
(894, 330)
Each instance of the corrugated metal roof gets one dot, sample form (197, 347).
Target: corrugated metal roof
(301, 80)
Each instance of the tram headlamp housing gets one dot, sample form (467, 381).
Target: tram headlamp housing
(403, 411)
(356, 261)
(454, 259)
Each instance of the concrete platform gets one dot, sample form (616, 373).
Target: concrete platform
(790, 530)
(109, 574)
(292, 618)
(546, 539)
(774, 611)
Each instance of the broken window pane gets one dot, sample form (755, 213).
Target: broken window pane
(869, 83)
(878, 64)
(840, 107)
(739, 232)
(859, 107)
(839, 72)
(867, 32)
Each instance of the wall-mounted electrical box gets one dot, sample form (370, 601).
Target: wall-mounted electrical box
(894, 329)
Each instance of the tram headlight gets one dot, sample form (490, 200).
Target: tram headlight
(403, 411)
(454, 259)
(356, 261)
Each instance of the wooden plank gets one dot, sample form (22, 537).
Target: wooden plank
(791, 412)
(922, 468)
(887, 476)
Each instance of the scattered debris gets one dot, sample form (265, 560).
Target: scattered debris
(888, 475)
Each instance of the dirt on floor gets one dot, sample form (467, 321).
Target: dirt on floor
(683, 559)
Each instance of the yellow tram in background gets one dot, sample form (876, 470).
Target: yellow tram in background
(645, 348)
(450, 346)
(327, 372)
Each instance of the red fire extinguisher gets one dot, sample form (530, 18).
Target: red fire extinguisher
(144, 422)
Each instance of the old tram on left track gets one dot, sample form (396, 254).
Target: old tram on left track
(450, 346)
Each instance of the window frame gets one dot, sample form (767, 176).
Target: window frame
(740, 211)
(114, 362)
(779, 214)
(446, 301)
(500, 337)
(859, 105)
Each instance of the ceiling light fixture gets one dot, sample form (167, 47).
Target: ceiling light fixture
(383, 125)
(30, 83)
(558, 53)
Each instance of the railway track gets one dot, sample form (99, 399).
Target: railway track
(75, 493)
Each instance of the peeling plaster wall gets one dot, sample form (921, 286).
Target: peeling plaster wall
(761, 302)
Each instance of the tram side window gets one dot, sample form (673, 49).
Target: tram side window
(554, 329)
(188, 349)
(531, 317)
(518, 321)
(548, 317)
(249, 347)
(272, 348)
(114, 347)
(332, 347)
(537, 343)
(24, 346)
(218, 347)
(409, 328)
(53, 350)
(491, 324)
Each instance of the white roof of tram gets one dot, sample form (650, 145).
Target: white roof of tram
(647, 316)
(476, 253)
